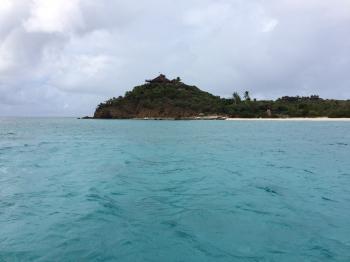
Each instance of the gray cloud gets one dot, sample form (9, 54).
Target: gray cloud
(64, 57)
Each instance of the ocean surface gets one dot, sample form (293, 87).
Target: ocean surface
(123, 190)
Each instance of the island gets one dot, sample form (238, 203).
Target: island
(162, 98)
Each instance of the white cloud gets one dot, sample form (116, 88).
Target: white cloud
(213, 14)
(5, 6)
(54, 16)
(80, 72)
(269, 26)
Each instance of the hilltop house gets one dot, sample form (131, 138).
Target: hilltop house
(161, 79)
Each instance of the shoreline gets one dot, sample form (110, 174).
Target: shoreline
(318, 119)
(221, 118)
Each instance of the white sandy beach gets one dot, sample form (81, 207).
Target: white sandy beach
(291, 119)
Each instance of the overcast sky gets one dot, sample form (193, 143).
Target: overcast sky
(63, 57)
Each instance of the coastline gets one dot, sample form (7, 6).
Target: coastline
(221, 118)
(319, 119)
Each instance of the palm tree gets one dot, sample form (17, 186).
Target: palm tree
(236, 98)
(246, 96)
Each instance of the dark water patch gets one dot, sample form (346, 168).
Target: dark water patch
(208, 250)
(127, 243)
(325, 252)
(232, 172)
(9, 134)
(6, 148)
(95, 197)
(169, 189)
(37, 165)
(308, 171)
(96, 216)
(328, 199)
(5, 204)
(217, 253)
(173, 170)
(277, 252)
(338, 144)
(285, 167)
(274, 152)
(184, 235)
(253, 210)
(54, 213)
(69, 195)
(269, 190)
(280, 151)
(118, 194)
(18, 256)
(109, 206)
(170, 223)
(44, 143)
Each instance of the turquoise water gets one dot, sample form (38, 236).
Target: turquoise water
(96, 190)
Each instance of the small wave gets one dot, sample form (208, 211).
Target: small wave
(44, 143)
(109, 205)
(256, 211)
(170, 223)
(324, 251)
(285, 167)
(279, 151)
(127, 243)
(117, 194)
(183, 234)
(278, 252)
(268, 190)
(232, 172)
(4, 204)
(6, 148)
(7, 134)
(342, 144)
(338, 144)
(328, 199)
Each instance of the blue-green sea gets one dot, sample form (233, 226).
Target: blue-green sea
(124, 190)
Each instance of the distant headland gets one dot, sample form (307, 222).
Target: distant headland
(162, 98)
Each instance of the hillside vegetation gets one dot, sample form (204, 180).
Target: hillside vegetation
(174, 99)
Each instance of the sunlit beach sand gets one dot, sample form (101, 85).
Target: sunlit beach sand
(291, 119)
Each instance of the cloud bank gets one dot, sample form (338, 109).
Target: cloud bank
(63, 57)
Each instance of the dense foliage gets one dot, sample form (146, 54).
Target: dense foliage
(180, 100)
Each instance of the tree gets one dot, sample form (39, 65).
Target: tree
(236, 98)
(246, 96)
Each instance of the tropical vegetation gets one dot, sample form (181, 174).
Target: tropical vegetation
(175, 99)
